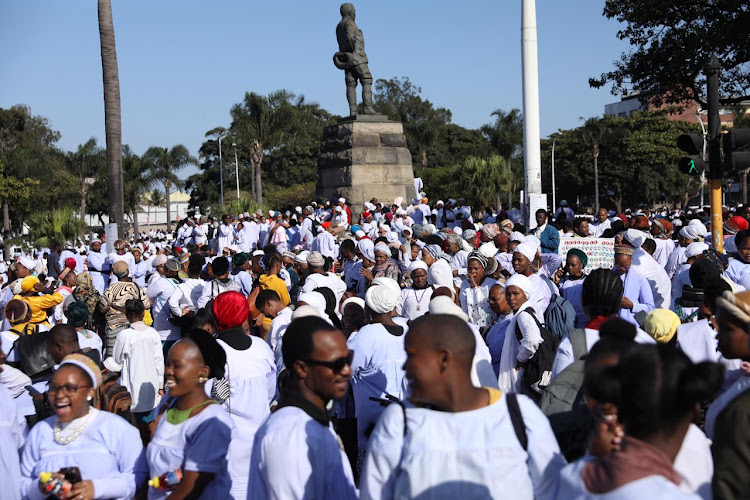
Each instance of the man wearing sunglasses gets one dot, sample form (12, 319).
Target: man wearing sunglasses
(296, 453)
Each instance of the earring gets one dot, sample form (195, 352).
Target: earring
(202, 380)
(88, 398)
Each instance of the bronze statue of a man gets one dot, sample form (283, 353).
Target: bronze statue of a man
(353, 60)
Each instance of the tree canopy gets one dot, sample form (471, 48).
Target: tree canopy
(671, 42)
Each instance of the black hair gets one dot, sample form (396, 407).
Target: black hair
(348, 245)
(220, 266)
(353, 317)
(602, 293)
(274, 259)
(577, 222)
(659, 386)
(542, 211)
(134, 308)
(330, 304)
(63, 334)
(202, 318)
(327, 264)
(298, 342)
(702, 271)
(383, 239)
(269, 250)
(741, 236)
(649, 245)
(714, 288)
(213, 354)
(617, 328)
(196, 263)
(433, 239)
(265, 296)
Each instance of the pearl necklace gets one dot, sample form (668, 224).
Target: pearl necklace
(65, 440)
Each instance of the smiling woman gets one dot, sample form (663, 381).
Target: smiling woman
(104, 447)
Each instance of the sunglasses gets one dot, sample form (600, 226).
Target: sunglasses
(336, 365)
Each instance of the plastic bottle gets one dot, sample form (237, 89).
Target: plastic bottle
(166, 481)
(54, 486)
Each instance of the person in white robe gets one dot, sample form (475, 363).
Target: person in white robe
(296, 453)
(440, 273)
(452, 439)
(12, 427)
(377, 366)
(104, 446)
(98, 266)
(415, 299)
(646, 266)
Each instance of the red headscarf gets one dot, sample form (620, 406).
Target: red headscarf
(230, 310)
(741, 222)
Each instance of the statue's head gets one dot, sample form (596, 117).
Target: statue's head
(347, 10)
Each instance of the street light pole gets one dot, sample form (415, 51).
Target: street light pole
(221, 172)
(236, 169)
(554, 201)
(531, 136)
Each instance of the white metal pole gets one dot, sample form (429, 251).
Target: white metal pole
(221, 173)
(554, 201)
(531, 136)
(237, 170)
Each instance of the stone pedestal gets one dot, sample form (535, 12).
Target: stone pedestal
(364, 157)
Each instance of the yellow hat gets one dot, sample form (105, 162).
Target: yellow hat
(662, 325)
(28, 283)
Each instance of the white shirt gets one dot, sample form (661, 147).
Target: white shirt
(658, 280)
(440, 274)
(475, 301)
(414, 303)
(187, 294)
(325, 243)
(11, 443)
(470, 454)
(139, 358)
(295, 456)
(330, 280)
(159, 293)
(278, 327)
(695, 464)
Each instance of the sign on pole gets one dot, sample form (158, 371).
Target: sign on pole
(600, 251)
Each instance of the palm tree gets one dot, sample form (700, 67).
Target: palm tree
(154, 199)
(482, 179)
(593, 134)
(220, 133)
(262, 123)
(112, 120)
(506, 137)
(163, 163)
(55, 226)
(138, 180)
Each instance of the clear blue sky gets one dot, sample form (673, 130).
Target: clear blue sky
(183, 63)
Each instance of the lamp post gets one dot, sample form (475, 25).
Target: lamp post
(236, 169)
(705, 142)
(221, 169)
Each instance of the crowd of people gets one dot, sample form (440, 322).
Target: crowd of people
(382, 351)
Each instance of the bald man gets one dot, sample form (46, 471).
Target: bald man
(461, 440)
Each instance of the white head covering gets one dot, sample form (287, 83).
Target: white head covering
(458, 230)
(444, 305)
(635, 237)
(306, 311)
(516, 236)
(353, 300)
(383, 248)
(392, 237)
(367, 248)
(301, 257)
(417, 264)
(315, 299)
(693, 231)
(521, 282)
(360, 234)
(528, 251)
(27, 262)
(383, 295)
(533, 240)
(696, 248)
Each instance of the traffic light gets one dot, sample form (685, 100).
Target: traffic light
(732, 142)
(693, 164)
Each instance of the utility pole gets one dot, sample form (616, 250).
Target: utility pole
(221, 171)
(236, 169)
(712, 69)
(532, 157)
(554, 201)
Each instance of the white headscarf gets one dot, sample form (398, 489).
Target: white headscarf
(521, 282)
(444, 305)
(528, 251)
(417, 264)
(314, 299)
(367, 249)
(383, 295)
(635, 237)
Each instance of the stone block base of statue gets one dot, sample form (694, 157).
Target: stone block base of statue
(364, 157)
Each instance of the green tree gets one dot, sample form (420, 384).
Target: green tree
(55, 226)
(163, 163)
(400, 100)
(154, 199)
(84, 164)
(482, 180)
(261, 124)
(671, 41)
(112, 120)
(505, 135)
(138, 180)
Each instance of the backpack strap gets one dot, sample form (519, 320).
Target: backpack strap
(531, 312)
(516, 418)
(552, 288)
(578, 342)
